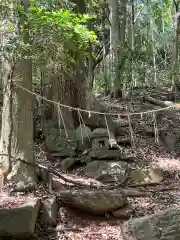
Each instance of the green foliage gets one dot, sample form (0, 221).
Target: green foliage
(53, 30)
(56, 33)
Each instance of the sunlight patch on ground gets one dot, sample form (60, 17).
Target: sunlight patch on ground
(7, 202)
(91, 227)
(168, 164)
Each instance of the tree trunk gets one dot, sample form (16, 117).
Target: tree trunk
(22, 134)
(22, 116)
(63, 92)
(72, 88)
(70, 91)
(175, 57)
(130, 36)
(117, 39)
(80, 5)
(114, 41)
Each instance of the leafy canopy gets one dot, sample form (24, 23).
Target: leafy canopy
(52, 28)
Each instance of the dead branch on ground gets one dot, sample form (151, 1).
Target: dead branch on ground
(157, 101)
(144, 184)
(127, 192)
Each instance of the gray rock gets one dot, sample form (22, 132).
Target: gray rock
(105, 154)
(85, 159)
(146, 176)
(50, 211)
(106, 171)
(57, 141)
(68, 163)
(82, 131)
(95, 202)
(82, 136)
(99, 132)
(124, 212)
(171, 139)
(19, 222)
(164, 225)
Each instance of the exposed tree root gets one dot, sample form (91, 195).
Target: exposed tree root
(56, 173)
(135, 193)
(126, 192)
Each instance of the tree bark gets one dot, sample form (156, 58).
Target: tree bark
(71, 91)
(22, 133)
(63, 92)
(75, 87)
(117, 40)
(22, 114)
(114, 41)
(175, 57)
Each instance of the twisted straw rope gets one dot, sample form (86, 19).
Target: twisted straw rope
(94, 112)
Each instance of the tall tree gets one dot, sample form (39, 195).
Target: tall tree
(73, 87)
(175, 48)
(117, 41)
(22, 114)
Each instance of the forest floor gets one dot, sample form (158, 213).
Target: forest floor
(149, 152)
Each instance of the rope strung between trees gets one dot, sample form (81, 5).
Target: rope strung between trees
(94, 112)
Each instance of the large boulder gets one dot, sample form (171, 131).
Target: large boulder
(146, 176)
(58, 141)
(164, 225)
(82, 136)
(106, 171)
(94, 202)
(19, 222)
